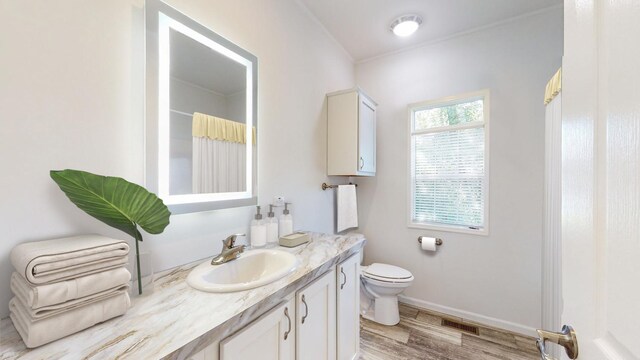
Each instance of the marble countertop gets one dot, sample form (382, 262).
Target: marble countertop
(176, 320)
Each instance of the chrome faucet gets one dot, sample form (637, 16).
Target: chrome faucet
(229, 250)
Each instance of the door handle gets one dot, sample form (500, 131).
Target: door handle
(306, 309)
(286, 313)
(565, 338)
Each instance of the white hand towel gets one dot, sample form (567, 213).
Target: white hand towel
(82, 288)
(39, 332)
(347, 209)
(43, 262)
(52, 310)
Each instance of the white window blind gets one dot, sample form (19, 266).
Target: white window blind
(448, 164)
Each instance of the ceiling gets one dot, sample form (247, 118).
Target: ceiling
(362, 26)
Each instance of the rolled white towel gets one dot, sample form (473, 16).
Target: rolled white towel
(48, 261)
(39, 332)
(60, 294)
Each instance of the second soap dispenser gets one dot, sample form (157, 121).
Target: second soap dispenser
(286, 221)
(272, 228)
(258, 230)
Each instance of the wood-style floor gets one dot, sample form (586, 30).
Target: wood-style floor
(420, 335)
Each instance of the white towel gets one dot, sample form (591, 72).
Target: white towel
(82, 288)
(52, 310)
(347, 209)
(39, 332)
(43, 262)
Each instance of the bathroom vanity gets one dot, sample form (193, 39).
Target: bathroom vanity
(311, 313)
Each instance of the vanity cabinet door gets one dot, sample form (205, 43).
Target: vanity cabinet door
(316, 319)
(348, 308)
(270, 337)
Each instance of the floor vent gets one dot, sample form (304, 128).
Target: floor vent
(462, 327)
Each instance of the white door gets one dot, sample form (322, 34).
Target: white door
(601, 177)
(316, 319)
(366, 135)
(270, 337)
(348, 308)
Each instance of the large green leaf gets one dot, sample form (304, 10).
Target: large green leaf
(114, 201)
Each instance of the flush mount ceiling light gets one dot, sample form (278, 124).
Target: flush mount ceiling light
(406, 25)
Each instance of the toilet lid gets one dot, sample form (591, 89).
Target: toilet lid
(387, 272)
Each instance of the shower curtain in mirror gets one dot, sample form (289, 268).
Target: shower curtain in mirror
(219, 154)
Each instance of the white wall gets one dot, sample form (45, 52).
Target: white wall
(71, 96)
(496, 278)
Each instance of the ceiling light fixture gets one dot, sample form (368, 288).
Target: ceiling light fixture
(406, 25)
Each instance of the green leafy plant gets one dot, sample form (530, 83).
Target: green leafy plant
(115, 202)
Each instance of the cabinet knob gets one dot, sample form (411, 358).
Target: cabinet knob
(361, 162)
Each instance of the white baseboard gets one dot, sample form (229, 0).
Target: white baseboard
(467, 315)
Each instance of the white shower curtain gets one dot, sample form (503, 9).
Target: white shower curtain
(219, 155)
(218, 166)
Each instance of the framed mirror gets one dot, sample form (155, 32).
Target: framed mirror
(201, 114)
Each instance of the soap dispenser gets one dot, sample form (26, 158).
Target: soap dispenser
(258, 231)
(272, 228)
(286, 221)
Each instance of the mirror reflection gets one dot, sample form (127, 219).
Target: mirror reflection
(201, 114)
(207, 116)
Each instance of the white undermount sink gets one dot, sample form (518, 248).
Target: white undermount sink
(252, 269)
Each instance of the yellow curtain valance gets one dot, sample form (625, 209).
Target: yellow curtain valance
(554, 86)
(220, 129)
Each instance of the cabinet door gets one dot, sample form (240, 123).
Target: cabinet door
(348, 308)
(198, 356)
(366, 135)
(316, 319)
(270, 337)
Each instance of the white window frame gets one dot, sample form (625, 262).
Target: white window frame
(450, 100)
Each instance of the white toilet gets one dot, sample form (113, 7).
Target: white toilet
(380, 286)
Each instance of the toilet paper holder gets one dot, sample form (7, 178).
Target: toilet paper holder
(438, 241)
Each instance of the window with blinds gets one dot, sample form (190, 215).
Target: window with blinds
(449, 172)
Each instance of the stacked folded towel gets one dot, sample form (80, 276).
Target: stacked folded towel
(66, 285)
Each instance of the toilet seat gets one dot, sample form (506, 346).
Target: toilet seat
(387, 273)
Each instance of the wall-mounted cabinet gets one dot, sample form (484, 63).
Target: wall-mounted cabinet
(351, 134)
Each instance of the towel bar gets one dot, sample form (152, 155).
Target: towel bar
(325, 186)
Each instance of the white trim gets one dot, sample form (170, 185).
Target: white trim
(470, 316)
(483, 94)
(448, 228)
(610, 348)
(450, 100)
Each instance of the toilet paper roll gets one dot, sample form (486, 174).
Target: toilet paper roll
(428, 243)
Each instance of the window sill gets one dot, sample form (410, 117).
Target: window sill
(445, 228)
